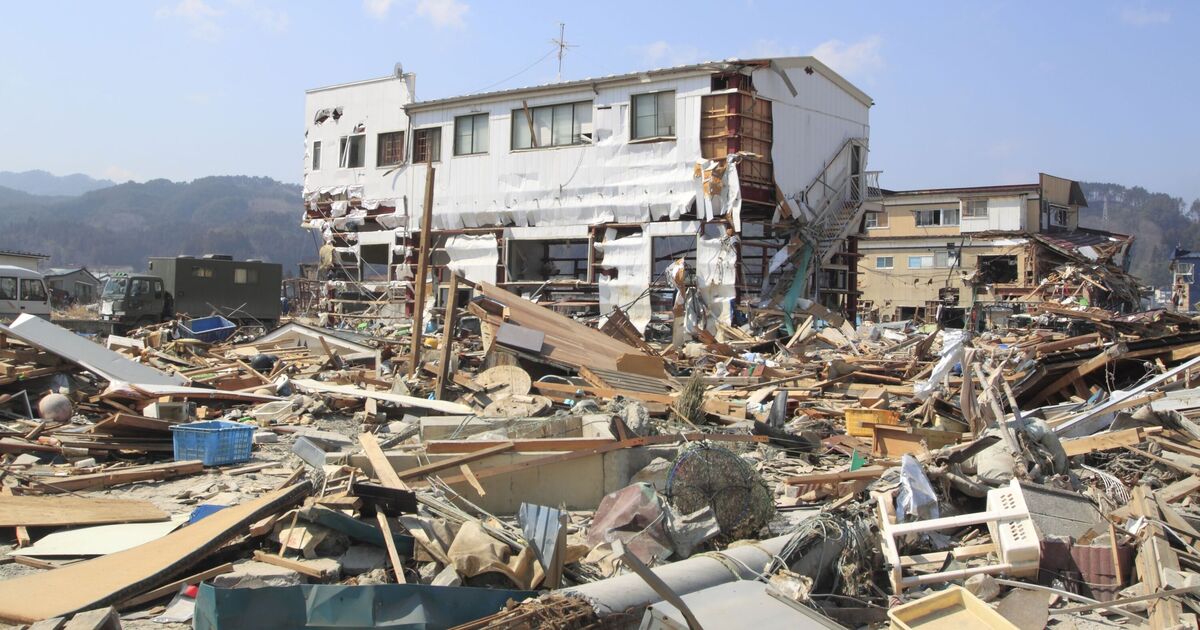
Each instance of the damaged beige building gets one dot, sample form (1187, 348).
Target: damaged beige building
(983, 252)
(749, 173)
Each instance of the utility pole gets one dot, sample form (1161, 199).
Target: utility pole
(562, 44)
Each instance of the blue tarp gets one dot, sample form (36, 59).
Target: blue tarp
(336, 606)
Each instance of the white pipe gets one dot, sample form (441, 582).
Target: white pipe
(628, 594)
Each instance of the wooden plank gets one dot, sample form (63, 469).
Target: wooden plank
(869, 472)
(1154, 555)
(386, 528)
(1106, 441)
(114, 577)
(170, 589)
(298, 567)
(122, 476)
(61, 511)
(21, 531)
(427, 469)
(601, 392)
(379, 462)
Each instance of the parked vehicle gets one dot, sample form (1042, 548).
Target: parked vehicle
(22, 291)
(246, 292)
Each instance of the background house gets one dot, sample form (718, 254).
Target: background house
(24, 260)
(75, 286)
(956, 248)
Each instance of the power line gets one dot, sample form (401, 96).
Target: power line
(519, 72)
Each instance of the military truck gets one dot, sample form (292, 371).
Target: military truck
(246, 292)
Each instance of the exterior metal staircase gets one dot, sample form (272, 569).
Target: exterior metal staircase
(835, 201)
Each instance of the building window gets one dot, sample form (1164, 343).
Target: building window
(1059, 216)
(427, 145)
(316, 156)
(936, 260)
(877, 220)
(202, 272)
(654, 115)
(884, 262)
(975, 208)
(352, 151)
(471, 134)
(389, 148)
(245, 276)
(552, 126)
(938, 217)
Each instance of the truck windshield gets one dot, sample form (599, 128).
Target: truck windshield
(115, 287)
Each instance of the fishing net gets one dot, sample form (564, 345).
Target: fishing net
(707, 475)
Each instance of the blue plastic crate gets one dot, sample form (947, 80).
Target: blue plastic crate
(213, 329)
(215, 442)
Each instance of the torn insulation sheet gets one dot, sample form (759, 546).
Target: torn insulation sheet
(716, 276)
(626, 278)
(475, 257)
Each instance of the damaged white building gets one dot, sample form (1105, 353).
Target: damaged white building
(750, 174)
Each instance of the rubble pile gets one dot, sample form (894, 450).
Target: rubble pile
(502, 464)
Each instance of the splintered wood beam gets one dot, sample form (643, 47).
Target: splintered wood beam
(449, 321)
(379, 462)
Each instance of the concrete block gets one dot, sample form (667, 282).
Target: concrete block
(447, 577)
(265, 437)
(253, 574)
(360, 559)
(329, 440)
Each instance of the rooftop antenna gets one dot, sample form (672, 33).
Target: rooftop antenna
(562, 44)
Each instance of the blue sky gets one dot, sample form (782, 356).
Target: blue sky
(966, 93)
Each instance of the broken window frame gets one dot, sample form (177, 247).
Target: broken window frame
(316, 155)
(922, 218)
(389, 149)
(346, 151)
(478, 140)
(202, 271)
(971, 210)
(525, 124)
(891, 262)
(427, 142)
(937, 260)
(658, 100)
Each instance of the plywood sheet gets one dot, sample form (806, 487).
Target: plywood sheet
(115, 577)
(98, 541)
(54, 511)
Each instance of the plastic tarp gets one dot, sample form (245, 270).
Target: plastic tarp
(630, 258)
(475, 257)
(952, 354)
(716, 273)
(336, 606)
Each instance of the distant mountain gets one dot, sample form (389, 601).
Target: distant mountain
(1158, 222)
(43, 183)
(124, 224)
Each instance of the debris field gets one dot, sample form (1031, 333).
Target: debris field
(501, 464)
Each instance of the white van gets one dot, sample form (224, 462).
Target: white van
(22, 291)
